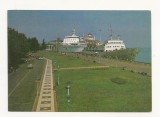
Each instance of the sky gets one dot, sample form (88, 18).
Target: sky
(134, 27)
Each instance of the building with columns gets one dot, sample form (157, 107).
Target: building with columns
(53, 45)
(50, 46)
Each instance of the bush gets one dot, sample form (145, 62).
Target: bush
(94, 61)
(132, 71)
(118, 80)
(124, 68)
(128, 54)
(143, 73)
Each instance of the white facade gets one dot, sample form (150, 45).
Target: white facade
(73, 39)
(114, 45)
(49, 47)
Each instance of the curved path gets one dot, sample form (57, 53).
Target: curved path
(46, 101)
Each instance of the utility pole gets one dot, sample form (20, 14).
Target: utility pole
(110, 31)
(100, 34)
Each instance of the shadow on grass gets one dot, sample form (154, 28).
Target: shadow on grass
(118, 80)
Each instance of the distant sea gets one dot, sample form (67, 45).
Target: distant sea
(144, 55)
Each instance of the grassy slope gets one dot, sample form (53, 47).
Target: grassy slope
(135, 66)
(23, 97)
(92, 90)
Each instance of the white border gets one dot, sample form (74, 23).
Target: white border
(152, 5)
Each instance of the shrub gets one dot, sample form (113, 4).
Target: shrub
(132, 71)
(94, 61)
(124, 68)
(143, 73)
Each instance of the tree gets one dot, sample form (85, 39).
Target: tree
(18, 47)
(126, 54)
(58, 41)
(33, 44)
(43, 46)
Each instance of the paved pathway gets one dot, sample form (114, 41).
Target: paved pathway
(46, 101)
(90, 67)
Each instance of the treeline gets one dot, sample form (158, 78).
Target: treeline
(128, 54)
(18, 47)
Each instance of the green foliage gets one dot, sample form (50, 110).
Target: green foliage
(126, 54)
(57, 43)
(43, 46)
(118, 80)
(18, 46)
(90, 46)
(33, 44)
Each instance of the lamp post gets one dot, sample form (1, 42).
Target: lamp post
(37, 82)
(54, 62)
(68, 91)
(58, 74)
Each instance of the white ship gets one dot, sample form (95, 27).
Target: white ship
(72, 43)
(114, 44)
(71, 40)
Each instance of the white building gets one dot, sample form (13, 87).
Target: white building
(73, 39)
(50, 46)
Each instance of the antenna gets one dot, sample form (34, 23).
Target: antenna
(74, 30)
(110, 31)
(100, 34)
(118, 36)
(83, 34)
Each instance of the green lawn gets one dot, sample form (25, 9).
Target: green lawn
(93, 91)
(22, 86)
(66, 61)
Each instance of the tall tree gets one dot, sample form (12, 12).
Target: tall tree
(43, 45)
(18, 46)
(33, 44)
